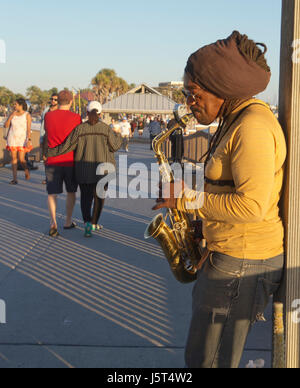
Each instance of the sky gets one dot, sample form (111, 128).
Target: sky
(65, 43)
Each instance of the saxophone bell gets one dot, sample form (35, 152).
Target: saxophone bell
(181, 267)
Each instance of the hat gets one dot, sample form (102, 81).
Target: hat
(94, 105)
(227, 70)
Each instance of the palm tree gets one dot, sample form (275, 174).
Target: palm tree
(6, 96)
(107, 84)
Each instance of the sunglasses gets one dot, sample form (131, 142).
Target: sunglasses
(190, 98)
(53, 99)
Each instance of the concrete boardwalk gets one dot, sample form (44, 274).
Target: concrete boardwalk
(105, 302)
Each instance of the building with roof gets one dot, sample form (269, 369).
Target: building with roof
(140, 100)
(172, 84)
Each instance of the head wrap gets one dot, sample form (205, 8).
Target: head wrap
(227, 70)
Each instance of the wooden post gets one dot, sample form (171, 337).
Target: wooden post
(289, 117)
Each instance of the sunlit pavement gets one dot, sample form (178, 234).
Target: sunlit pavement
(105, 302)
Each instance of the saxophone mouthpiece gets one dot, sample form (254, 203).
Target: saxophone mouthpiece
(180, 111)
(182, 116)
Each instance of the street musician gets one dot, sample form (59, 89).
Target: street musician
(244, 171)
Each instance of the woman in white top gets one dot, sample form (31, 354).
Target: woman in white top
(19, 137)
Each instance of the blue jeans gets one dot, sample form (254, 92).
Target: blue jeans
(229, 297)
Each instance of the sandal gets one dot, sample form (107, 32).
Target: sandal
(88, 230)
(72, 226)
(13, 182)
(53, 232)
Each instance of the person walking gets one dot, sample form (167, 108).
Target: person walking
(60, 169)
(141, 126)
(126, 133)
(154, 130)
(93, 143)
(53, 106)
(19, 138)
(133, 125)
(244, 172)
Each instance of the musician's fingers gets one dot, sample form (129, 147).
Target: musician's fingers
(160, 204)
(165, 203)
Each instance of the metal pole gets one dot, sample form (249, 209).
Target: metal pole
(289, 117)
(79, 101)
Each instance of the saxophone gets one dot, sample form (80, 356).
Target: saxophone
(177, 241)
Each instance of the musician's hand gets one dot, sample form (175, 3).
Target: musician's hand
(165, 203)
(169, 194)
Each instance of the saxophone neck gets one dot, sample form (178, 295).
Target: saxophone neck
(164, 135)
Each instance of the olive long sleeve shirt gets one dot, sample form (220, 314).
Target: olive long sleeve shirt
(92, 145)
(244, 221)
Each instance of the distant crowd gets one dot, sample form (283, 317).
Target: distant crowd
(72, 149)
